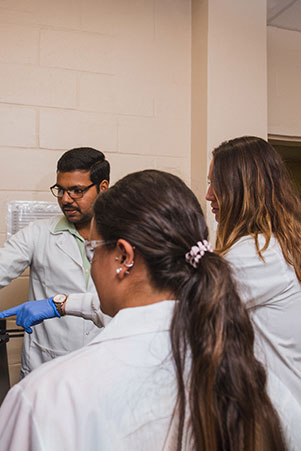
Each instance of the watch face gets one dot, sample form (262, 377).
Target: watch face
(59, 298)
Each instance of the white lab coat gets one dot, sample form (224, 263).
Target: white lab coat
(115, 394)
(55, 267)
(272, 294)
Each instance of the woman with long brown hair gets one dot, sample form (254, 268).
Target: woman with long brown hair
(259, 233)
(174, 368)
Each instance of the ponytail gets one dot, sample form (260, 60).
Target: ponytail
(227, 407)
(222, 403)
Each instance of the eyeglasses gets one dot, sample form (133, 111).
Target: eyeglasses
(90, 247)
(74, 193)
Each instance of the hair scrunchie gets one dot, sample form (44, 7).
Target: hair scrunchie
(197, 251)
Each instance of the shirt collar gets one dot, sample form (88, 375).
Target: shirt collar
(65, 226)
(138, 321)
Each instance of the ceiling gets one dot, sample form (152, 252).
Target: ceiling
(284, 14)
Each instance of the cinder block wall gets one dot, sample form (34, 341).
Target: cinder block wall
(114, 75)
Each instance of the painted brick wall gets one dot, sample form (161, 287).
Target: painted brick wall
(114, 75)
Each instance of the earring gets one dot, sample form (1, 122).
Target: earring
(118, 270)
(116, 259)
(129, 265)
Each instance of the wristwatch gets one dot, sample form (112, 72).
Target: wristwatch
(59, 300)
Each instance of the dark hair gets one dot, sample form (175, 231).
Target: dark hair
(255, 196)
(224, 395)
(86, 159)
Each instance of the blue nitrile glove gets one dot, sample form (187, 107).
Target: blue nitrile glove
(32, 312)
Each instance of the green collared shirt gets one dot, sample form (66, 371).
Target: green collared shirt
(65, 226)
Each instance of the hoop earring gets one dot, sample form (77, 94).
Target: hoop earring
(129, 265)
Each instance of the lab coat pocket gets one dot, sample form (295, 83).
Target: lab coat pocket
(40, 354)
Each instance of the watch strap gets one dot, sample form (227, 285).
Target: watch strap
(59, 305)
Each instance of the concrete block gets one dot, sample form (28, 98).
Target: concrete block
(141, 67)
(113, 94)
(96, 93)
(18, 44)
(18, 126)
(173, 62)
(173, 40)
(156, 137)
(67, 129)
(125, 164)
(27, 169)
(76, 50)
(173, 21)
(134, 96)
(153, 64)
(36, 12)
(134, 58)
(37, 86)
(119, 18)
(172, 101)
(176, 166)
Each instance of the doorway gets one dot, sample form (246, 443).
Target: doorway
(290, 152)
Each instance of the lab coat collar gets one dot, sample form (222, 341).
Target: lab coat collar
(138, 321)
(63, 225)
(63, 241)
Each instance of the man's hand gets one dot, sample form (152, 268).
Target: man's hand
(32, 312)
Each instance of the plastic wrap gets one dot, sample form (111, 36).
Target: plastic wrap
(20, 213)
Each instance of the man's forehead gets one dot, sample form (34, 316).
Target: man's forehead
(73, 178)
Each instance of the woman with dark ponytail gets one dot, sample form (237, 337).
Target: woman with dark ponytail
(174, 369)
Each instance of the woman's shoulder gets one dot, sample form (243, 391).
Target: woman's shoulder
(244, 256)
(247, 245)
(262, 279)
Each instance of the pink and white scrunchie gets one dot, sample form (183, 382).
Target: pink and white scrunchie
(197, 251)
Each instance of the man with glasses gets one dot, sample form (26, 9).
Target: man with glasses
(54, 249)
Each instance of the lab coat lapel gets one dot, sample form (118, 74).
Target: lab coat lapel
(67, 244)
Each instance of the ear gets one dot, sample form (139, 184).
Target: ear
(103, 186)
(126, 254)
